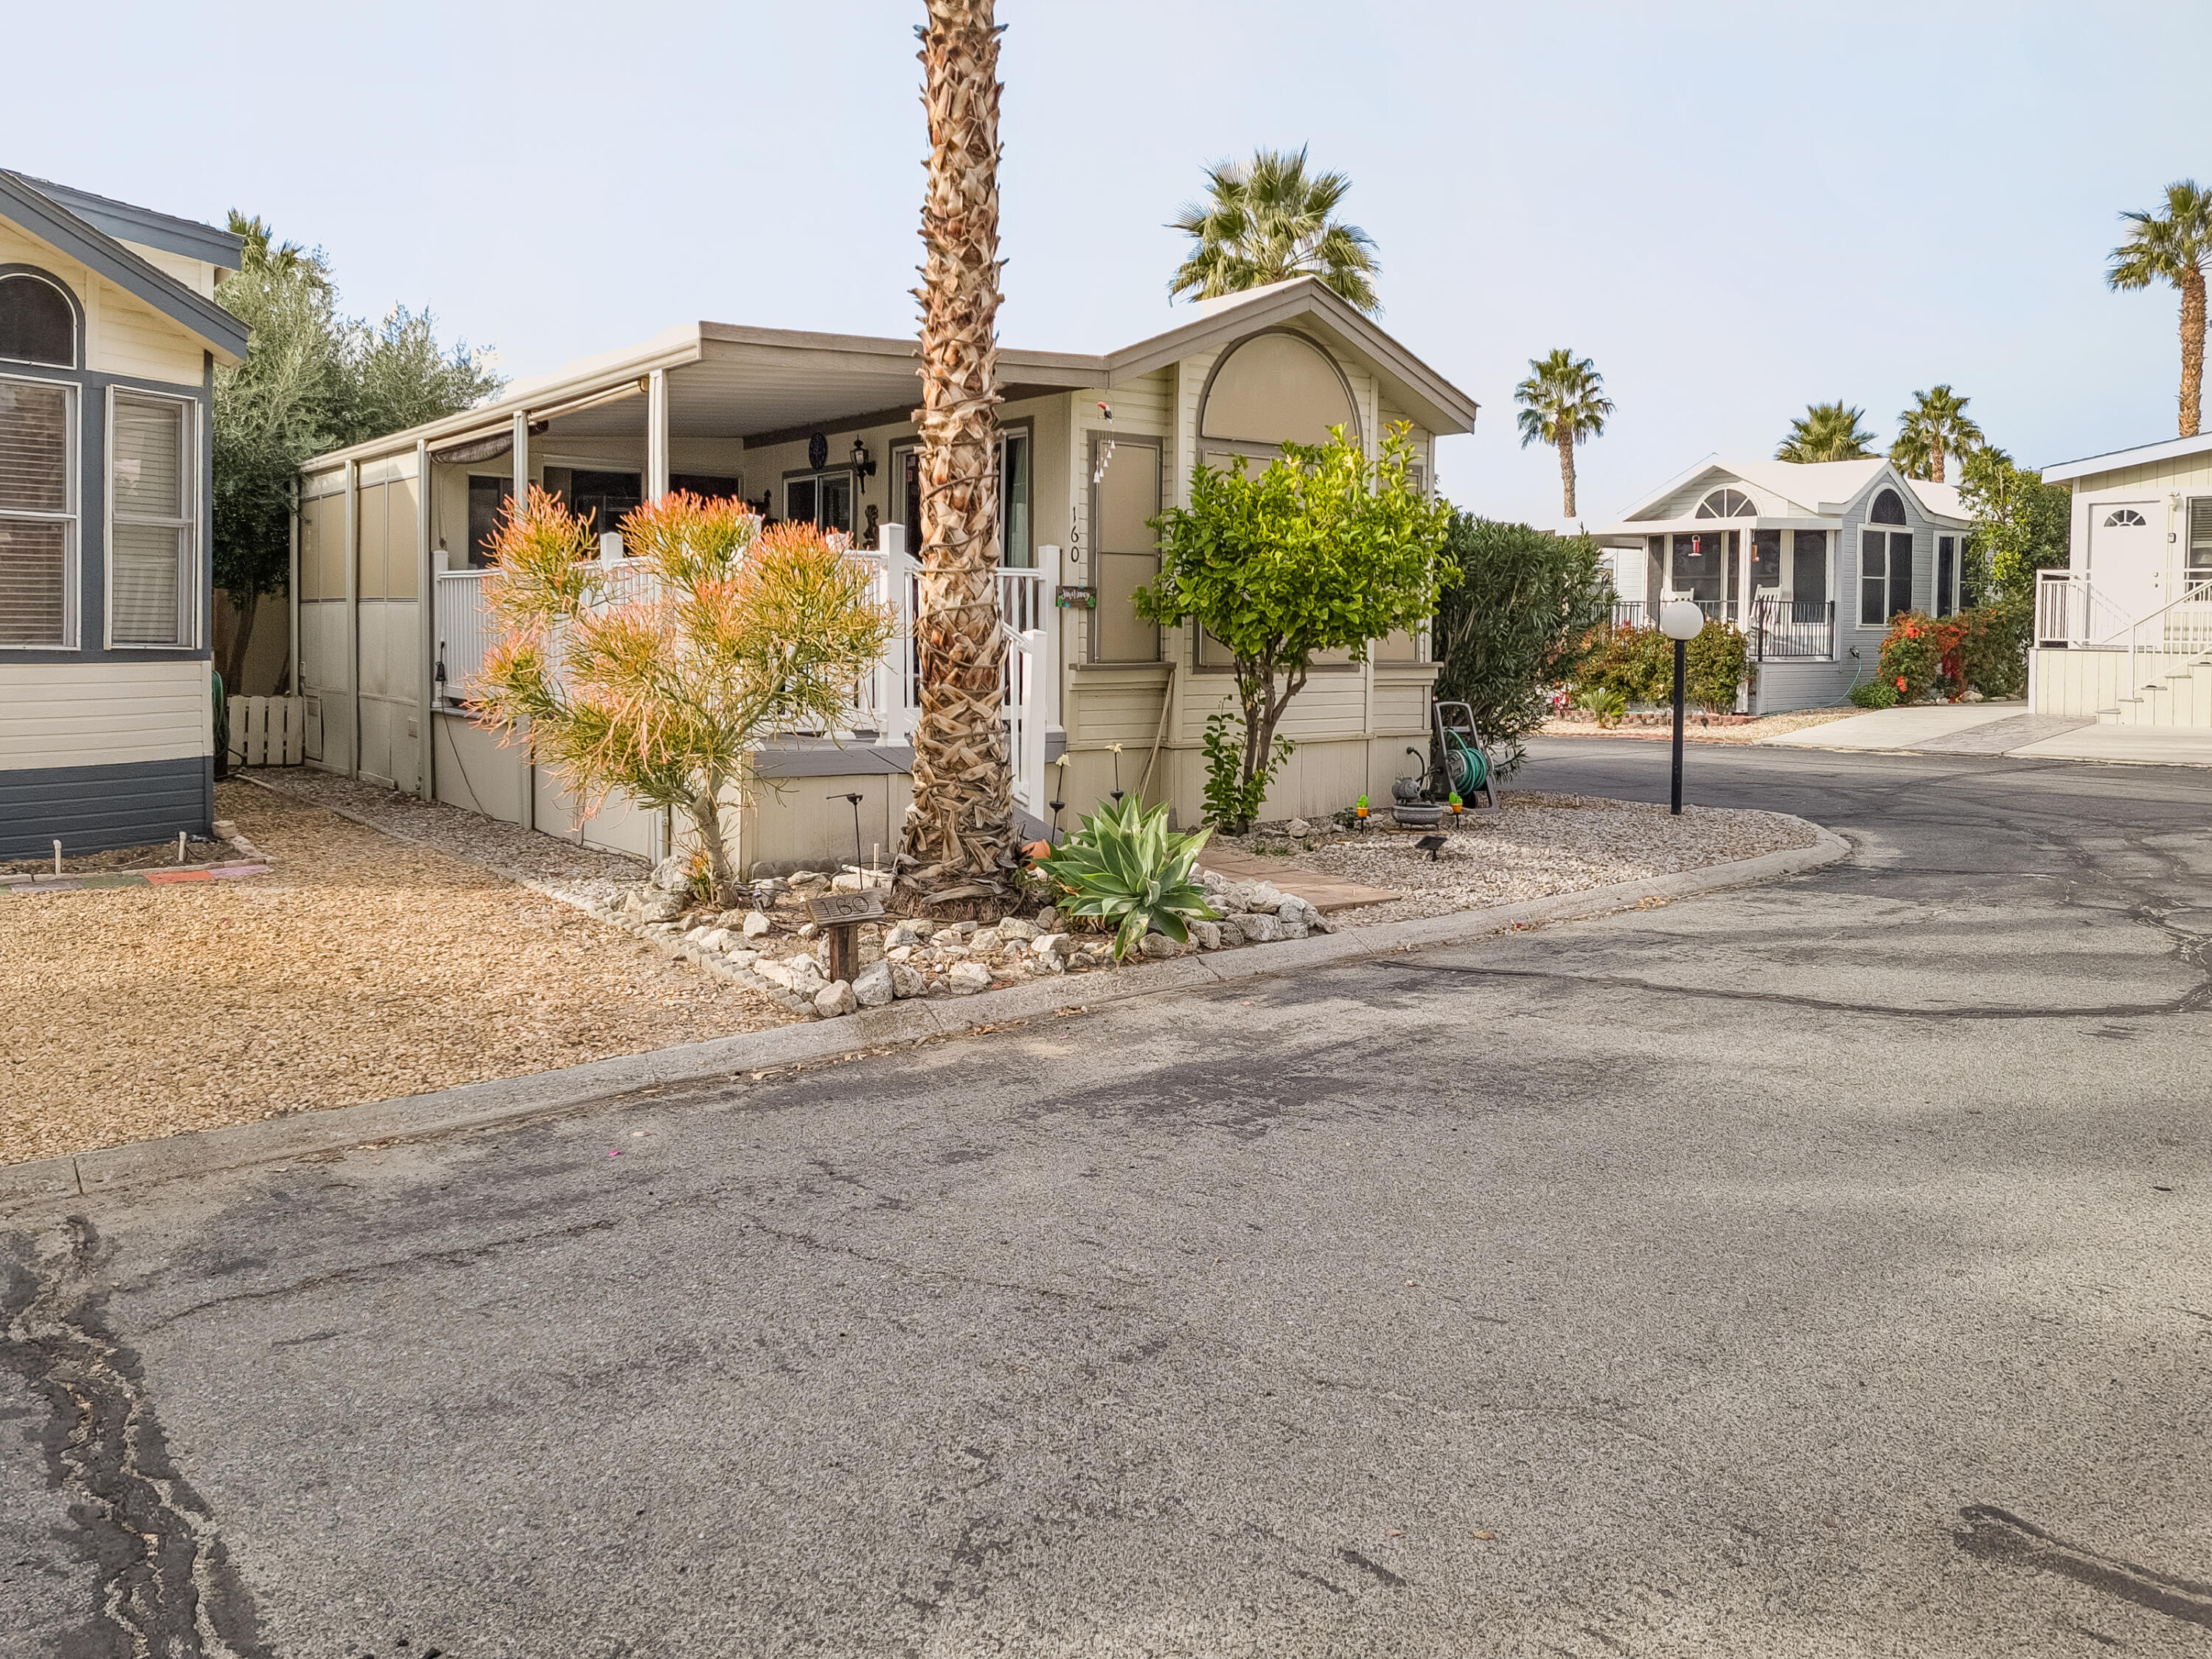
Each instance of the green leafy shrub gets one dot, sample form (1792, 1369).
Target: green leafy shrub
(1634, 664)
(1604, 702)
(1920, 655)
(1512, 623)
(1993, 650)
(1123, 867)
(1232, 800)
(1874, 694)
(1719, 660)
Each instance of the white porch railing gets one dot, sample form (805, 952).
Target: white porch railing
(887, 700)
(2070, 611)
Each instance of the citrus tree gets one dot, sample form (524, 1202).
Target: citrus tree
(1323, 550)
(662, 683)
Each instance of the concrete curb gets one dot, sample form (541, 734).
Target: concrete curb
(549, 1094)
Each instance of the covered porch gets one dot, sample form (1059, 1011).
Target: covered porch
(1769, 578)
(393, 548)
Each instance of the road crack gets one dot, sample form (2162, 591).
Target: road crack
(166, 1589)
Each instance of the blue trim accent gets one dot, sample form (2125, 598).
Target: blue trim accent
(136, 224)
(91, 809)
(52, 223)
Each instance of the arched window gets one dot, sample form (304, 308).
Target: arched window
(1273, 387)
(1728, 504)
(37, 324)
(1888, 508)
(2126, 518)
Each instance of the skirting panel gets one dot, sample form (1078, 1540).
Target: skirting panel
(89, 809)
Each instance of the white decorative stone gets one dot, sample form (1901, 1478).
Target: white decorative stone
(834, 998)
(660, 907)
(1259, 927)
(1293, 929)
(906, 982)
(1298, 829)
(1049, 944)
(808, 930)
(1013, 928)
(756, 925)
(873, 988)
(743, 958)
(898, 953)
(670, 877)
(1231, 934)
(1264, 895)
(849, 883)
(1049, 921)
(953, 937)
(986, 941)
(968, 977)
(905, 933)
(1207, 933)
(802, 877)
(716, 939)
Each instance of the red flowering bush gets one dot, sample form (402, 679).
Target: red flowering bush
(1920, 656)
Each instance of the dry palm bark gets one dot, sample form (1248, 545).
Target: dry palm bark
(959, 840)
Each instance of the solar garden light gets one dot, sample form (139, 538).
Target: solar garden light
(1681, 621)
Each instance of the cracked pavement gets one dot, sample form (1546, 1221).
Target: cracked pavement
(1817, 1269)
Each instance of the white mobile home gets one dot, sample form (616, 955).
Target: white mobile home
(1810, 561)
(2124, 632)
(819, 426)
(109, 338)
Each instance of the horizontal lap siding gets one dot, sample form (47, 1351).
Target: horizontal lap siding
(103, 714)
(137, 340)
(89, 809)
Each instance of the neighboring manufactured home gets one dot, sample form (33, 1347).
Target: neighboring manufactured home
(1810, 561)
(818, 427)
(109, 338)
(2123, 634)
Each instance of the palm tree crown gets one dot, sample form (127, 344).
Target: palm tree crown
(1826, 432)
(1563, 403)
(1936, 426)
(1267, 221)
(2174, 247)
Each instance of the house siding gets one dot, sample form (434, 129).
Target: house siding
(91, 809)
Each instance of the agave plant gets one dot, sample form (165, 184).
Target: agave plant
(1124, 865)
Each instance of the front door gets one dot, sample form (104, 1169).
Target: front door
(2127, 559)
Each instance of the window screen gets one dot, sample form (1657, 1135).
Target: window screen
(2200, 540)
(1947, 565)
(1809, 565)
(38, 531)
(487, 500)
(1900, 572)
(36, 323)
(1126, 551)
(1873, 578)
(150, 555)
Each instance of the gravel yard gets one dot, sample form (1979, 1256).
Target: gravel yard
(1535, 847)
(362, 968)
(1578, 724)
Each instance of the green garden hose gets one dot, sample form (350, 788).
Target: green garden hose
(1466, 767)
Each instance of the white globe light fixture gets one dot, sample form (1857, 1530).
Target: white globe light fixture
(1681, 621)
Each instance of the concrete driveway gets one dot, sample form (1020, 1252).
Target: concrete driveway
(1819, 1269)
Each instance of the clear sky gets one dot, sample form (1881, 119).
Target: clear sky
(1734, 208)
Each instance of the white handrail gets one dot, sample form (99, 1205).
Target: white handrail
(2197, 595)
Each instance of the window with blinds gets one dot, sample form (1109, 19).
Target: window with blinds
(38, 515)
(2200, 540)
(151, 556)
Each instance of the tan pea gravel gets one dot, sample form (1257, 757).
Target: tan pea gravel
(1537, 846)
(1766, 726)
(361, 969)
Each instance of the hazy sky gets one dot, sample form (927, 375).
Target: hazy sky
(1734, 208)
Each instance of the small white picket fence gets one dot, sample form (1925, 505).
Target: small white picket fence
(268, 731)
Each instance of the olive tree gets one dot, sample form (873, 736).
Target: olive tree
(1324, 550)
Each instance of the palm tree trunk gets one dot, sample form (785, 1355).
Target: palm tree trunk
(1567, 469)
(958, 839)
(2192, 350)
(1935, 461)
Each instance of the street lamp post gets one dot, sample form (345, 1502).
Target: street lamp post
(1681, 621)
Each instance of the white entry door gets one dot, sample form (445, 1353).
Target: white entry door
(2127, 559)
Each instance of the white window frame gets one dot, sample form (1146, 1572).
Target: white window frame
(190, 564)
(1867, 527)
(72, 519)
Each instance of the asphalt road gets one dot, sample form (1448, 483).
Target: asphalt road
(1819, 1269)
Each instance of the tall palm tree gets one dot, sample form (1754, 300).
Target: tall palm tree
(1563, 402)
(2174, 247)
(1935, 425)
(958, 841)
(1268, 220)
(1826, 432)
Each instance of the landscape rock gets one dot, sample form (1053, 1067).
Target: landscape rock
(851, 882)
(660, 907)
(834, 998)
(968, 977)
(954, 937)
(874, 987)
(1049, 921)
(1294, 929)
(1231, 934)
(670, 876)
(756, 925)
(732, 920)
(906, 982)
(1297, 829)
(802, 877)
(1160, 947)
(742, 958)
(714, 939)
(1259, 927)
(905, 933)
(1207, 933)
(986, 941)
(1013, 928)
(1049, 944)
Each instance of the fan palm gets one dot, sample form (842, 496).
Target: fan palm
(1826, 432)
(958, 841)
(2174, 247)
(1563, 402)
(1936, 426)
(1267, 221)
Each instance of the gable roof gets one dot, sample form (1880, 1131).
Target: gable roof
(26, 205)
(1799, 489)
(144, 226)
(2172, 449)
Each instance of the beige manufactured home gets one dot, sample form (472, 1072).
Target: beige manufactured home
(815, 427)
